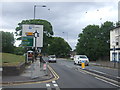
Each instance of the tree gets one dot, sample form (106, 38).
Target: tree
(47, 28)
(94, 41)
(87, 42)
(7, 42)
(105, 37)
(59, 47)
(118, 23)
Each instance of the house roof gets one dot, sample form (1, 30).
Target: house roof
(115, 27)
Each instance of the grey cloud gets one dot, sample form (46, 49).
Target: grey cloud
(64, 17)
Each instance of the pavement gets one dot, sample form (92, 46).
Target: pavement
(32, 73)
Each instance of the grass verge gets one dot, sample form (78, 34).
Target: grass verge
(11, 59)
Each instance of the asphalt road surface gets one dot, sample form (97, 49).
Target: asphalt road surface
(71, 77)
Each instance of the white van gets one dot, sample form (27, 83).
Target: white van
(79, 58)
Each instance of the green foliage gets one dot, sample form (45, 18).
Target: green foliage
(94, 41)
(7, 42)
(118, 23)
(19, 50)
(59, 47)
(11, 59)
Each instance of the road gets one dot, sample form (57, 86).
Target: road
(70, 76)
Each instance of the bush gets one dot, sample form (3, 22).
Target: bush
(19, 51)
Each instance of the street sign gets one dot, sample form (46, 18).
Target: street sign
(27, 41)
(28, 30)
(29, 33)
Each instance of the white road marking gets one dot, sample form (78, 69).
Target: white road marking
(101, 77)
(82, 71)
(97, 71)
(47, 85)
(107, 82)
(53, 81)
(55, 85)
(118, 77)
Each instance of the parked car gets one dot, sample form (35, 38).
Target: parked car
(52, 58)
(79, 58)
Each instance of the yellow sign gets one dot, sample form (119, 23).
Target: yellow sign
(29, 33)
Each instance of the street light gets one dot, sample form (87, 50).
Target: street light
(37, 6)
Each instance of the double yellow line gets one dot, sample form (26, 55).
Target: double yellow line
(56, 77)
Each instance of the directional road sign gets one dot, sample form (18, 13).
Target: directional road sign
(27, 41)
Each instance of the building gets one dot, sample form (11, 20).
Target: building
(115, 44)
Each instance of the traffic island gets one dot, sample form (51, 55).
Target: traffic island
(25, 77)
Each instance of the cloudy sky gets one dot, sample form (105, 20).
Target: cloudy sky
(68, 17)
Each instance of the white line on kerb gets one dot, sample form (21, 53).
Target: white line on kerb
(55, 85)
(47, 85)
(53, 81)
(107, 82)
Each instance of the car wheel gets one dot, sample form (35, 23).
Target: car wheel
(74, 63)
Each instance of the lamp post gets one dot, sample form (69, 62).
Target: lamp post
(35, 8)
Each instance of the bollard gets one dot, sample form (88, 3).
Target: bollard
(83, 64)
(45, 69)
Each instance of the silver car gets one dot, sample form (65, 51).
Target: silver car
(52, 58)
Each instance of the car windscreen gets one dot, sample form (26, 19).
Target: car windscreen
(82, 57)
(52, 56)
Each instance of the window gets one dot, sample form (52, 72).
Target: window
(114, 56)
